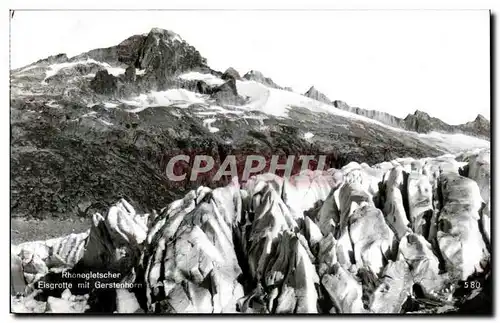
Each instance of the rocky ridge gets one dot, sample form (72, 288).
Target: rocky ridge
(419, 121)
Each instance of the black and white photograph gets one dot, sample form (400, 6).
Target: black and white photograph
(255, 162)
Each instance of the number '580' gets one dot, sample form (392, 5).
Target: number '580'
(472, 284)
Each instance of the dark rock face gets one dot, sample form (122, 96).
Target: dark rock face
(313, 93)
(480, 126)
(231, 73)
(423, 123)
(203, 88)
(130, 74)
(55, 59)
(104, 83)
(161, 53)
(127, 52)
(164, 54)
(259, 77)
(227, 93)
(383, 117)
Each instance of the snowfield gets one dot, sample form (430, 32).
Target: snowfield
(55, 68)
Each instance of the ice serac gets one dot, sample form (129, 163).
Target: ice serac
(27, 304)
(479, 169)
(395, 213)
(393, 290)
(371, 237)
(115, 240)
(343, 290)
(327, 216)
(327, 254)
(459, 237)
(67, 303)
(278, 255)
(113, 244)
(351, 196)
(420, 203)
(417, 252)
(305, 190)
(38, 258)
(314, 243)
(190, 261)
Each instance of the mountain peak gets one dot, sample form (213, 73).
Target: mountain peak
(254, 74)
(166, 33)
(481, 118)
(313, 93)
(231, 73)
(421, 114)
(164, 54)
(257, 76)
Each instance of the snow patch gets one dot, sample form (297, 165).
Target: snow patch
(308, 135)
(116, 71)
(55, 68)
(207, 78)
(105, 122)
(276, 102)
(90, 114)
(208, 123)
(110, 105)
(178, 97)
(52, 104)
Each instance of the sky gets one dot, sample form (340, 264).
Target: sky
(393, 61)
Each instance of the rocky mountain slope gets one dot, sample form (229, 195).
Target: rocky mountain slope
(90, 129)
(405, 236)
